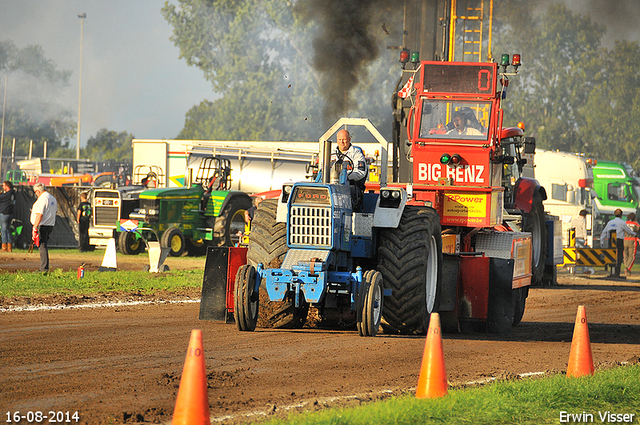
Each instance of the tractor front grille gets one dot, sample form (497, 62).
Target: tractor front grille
(310, 226)
(106, 215)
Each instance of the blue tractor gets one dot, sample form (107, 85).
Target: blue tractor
(330, 262)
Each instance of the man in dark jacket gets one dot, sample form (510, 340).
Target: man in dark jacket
(84, 220)
(7, 201)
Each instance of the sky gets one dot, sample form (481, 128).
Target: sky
(132, 77)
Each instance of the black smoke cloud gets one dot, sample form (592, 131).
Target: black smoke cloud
(350, 36)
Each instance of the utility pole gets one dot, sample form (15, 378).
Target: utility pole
(82, 16)
(4, 108)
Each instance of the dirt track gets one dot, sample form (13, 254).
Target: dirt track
(123, 363)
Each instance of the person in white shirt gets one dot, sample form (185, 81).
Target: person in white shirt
(43, 218)
(620, 227)
(357, 171)
(580, 224)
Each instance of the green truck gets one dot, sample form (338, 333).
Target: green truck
(616, 187)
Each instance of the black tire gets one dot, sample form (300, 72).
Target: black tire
(533, 222)
(268, 239)
(246, 300)
(410, 260)
(372, 304)
(551, 275)
(230, 221)
(128, 244)
(174, 239)
(519, 302)
(361, 300)
(196, 248)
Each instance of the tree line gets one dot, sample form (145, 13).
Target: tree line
(30, 84)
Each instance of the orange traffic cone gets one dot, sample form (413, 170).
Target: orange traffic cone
(580, 358)
(192, 404)
(432, 382)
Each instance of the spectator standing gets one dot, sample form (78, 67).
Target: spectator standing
(43, 218)
(84, 220)
(7, 201)
(618, 225)
(580, 224)
(630, 244)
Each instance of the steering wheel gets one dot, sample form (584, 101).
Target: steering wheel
(346, 161)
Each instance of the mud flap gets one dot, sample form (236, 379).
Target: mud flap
(221, 266)
(500, 310)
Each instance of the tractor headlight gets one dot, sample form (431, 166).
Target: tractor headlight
(390, 198)
(286, 192)
(153, 212)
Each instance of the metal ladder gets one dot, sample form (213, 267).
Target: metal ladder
(467, 19)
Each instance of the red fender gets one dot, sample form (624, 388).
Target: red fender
(526, 189)
(268, 194)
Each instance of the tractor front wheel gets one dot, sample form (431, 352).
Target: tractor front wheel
(370, 304)
(129, 244)
(173, 239)
(246, 299)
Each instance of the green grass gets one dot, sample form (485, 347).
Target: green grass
(528, 401)
(67, 283)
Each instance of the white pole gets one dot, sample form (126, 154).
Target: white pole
(4, 108)
(81, 16)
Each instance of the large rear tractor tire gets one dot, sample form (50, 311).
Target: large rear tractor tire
(268, 239)
(246, 300)
(173, 239)
(533, 222)
(410, 260)
(230, 221)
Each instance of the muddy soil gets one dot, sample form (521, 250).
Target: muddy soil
(121, 363)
